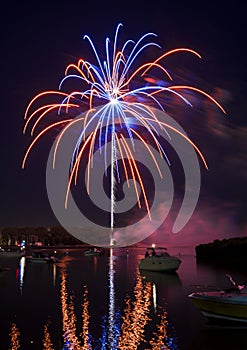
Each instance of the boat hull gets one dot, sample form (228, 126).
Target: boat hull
(159, 264)
(221, 307)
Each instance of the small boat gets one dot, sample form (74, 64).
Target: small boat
(40, 257)
(158, 259)
(223, 305)
(93, 252)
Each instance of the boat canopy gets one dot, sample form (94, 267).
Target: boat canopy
(156, 248)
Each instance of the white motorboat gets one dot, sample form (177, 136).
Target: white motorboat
(222, 305)
(158, 259)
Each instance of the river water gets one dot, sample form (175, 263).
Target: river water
(104, 302)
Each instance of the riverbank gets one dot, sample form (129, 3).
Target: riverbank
(218, 250)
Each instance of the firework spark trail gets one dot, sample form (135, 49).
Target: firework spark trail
(109, 86)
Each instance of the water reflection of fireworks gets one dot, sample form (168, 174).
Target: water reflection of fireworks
(14, 337)
(129, 333)
(133, 329)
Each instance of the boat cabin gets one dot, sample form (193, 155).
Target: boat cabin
(159, 251)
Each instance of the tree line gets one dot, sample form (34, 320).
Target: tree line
(47, 236)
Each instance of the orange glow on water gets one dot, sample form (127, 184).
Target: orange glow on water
(130, 334)
(14, 337)
(136, 316)
(85, 321)
(160, 336)
(47, 344)
(68, 315)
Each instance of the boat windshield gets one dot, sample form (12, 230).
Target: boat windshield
(157, 252)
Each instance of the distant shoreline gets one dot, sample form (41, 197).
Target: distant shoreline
(219, 250)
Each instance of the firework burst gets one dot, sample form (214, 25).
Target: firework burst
(110, 86)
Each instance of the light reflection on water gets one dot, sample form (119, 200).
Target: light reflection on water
(124, 332)
(14, 337)
(20, 272)
(103, 303)
(47, 343)
(113, 315)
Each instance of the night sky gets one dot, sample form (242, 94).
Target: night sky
(39, 39)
